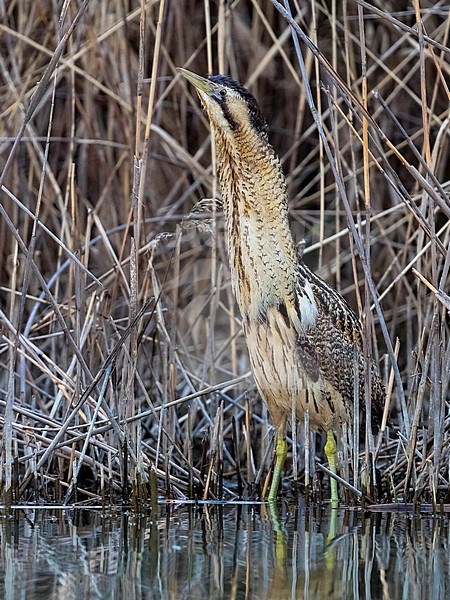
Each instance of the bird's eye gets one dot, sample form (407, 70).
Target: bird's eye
(223, 92)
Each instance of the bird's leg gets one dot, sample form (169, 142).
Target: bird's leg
(331, 452)
(280, 453)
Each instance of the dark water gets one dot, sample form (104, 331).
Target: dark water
(223, 552)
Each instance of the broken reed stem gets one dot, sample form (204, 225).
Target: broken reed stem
(248, 447)
(215, 456)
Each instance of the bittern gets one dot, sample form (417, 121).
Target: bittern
(303, 339)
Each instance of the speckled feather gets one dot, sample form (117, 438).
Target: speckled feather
(303, 338)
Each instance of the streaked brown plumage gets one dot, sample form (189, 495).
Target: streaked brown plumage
(301, 334)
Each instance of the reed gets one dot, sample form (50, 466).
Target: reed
(122, 362)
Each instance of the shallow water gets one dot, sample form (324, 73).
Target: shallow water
(231, 551)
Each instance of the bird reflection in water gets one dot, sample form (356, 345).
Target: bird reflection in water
(225, 551)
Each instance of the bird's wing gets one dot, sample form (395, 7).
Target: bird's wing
(308, 357)
(331, 346)
(333, 308)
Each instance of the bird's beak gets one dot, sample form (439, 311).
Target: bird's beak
(200, 83)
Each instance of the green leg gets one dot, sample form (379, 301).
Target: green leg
(281, 453)
(331, 452)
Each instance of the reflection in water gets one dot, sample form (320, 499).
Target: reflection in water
(231, 551)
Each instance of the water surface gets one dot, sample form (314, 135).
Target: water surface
(231, 551)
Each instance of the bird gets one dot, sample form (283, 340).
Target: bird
(304, 341)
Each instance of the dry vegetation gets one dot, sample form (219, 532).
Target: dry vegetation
(122, 362)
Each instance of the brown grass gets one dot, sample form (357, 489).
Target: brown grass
(122, 360)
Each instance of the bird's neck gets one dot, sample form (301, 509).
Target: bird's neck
(261, 249)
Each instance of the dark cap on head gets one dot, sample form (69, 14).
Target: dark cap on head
(257, 119)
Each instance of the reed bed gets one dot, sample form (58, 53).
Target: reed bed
(123, 369)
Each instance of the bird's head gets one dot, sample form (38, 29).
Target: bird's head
(231, 108)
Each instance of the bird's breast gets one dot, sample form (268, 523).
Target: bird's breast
(262, 263)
